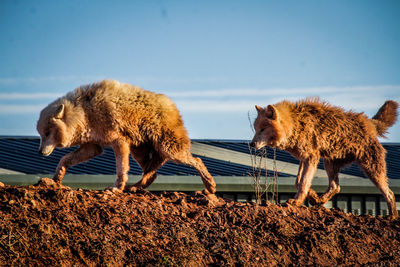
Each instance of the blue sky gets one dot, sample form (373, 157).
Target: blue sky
(215, 59)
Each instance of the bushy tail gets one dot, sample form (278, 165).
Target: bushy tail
(385, 117)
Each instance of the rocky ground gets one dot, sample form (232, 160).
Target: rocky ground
(50, 225)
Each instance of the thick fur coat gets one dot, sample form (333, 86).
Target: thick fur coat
(311, 129)
(129, 119)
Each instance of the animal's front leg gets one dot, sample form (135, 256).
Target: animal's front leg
(83, 153)
(312, 195)
(299, 174)
(304, 180)
(121, 151)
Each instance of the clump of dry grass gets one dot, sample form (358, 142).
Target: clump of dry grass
(264, 185)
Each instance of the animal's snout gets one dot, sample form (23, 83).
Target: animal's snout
(257, 144)
(41, 152)
(46, 150)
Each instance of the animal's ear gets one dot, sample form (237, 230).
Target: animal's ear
(272, 112)
(259, 109)
(60, 112)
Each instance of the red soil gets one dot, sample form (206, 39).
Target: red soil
(49, 225)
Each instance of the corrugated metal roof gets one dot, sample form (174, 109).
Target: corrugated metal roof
(20, 154)
(392, 157)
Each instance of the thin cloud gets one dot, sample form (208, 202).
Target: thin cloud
(137, 80)
(358, 98)
(209, 106)
(249, 92)
(199, 106)
(20, 109)
(29, 96)
(34, 80)
(244, 92)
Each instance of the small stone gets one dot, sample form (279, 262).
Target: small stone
(33, 202)
(46, 182)
(132, 189)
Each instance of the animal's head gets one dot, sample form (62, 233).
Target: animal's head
(52, 128)
(267, 128)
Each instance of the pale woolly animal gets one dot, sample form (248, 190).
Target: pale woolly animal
(127, 118)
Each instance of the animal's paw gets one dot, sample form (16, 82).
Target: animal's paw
(135, 189)
(210, 199)
(208, 191)
(48, 182)
(314, 199)
(203, 192)
(114, 190)
(293, 202)
(65, 187)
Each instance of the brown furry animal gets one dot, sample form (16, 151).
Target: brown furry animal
(311, 129)
(125, 117)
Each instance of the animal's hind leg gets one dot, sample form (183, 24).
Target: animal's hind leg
(185, 157)
(332, 169)
(374, 167)
(83, 153)
(150, 161)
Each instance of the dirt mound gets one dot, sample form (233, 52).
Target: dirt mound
(48, 225)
